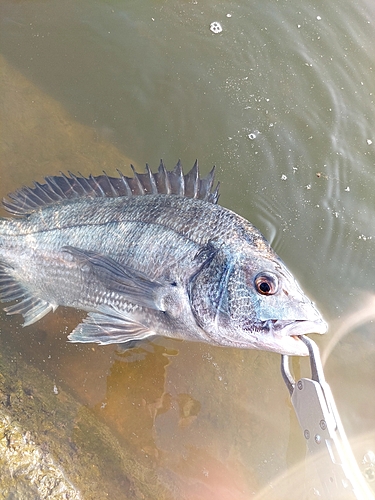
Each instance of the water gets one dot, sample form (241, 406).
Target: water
(282, 101)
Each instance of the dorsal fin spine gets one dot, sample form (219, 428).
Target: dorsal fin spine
(165, 186)
(111, 185)
(195, 171)
(54, 187)
(21, 195)
(33, 193)
(78, 182)
(71, 185)
(59, 189)
(180, 179)
(206, 185)
(191, 180)
(128, 191)
(97, 187)
(137, 184)
(48, 194)
(154, 189)
(85, 186)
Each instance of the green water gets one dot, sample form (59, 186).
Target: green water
(282, 101)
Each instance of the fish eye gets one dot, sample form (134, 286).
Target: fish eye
(266, 283)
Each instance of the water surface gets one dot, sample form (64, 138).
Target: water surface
(282, 101)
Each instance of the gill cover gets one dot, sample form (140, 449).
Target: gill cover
(208, 289)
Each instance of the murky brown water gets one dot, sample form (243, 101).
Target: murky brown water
(282, 101)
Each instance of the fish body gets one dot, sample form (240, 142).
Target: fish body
(149, 255)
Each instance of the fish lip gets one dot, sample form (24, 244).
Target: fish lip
(283, 335)
(282, 328)
(291, 345)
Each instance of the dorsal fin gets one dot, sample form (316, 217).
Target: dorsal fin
(60, 188)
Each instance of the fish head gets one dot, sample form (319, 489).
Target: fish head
(249, 299)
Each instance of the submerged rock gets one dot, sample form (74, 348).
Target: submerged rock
(53, 447)
(28, 471)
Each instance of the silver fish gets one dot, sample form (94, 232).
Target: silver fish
(149, 255)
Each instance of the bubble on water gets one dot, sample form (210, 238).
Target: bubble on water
(369, 474)
(253, 135)
(364, 238)
(215, 27)
(369, 458)
(369, 141)
(369, 462)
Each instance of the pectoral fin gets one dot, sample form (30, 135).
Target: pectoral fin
(109, 326)
(134, 285)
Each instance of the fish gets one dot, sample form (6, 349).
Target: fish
(149, 255)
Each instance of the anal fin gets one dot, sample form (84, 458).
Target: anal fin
(31, 307)
(109, 326)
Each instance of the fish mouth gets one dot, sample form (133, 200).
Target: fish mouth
(296, 327)
(283, 336)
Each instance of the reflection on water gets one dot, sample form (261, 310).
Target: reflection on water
(133, 401)
(363, 315)
(282, 100)
(280, 487)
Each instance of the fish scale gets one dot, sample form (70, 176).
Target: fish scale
(147, 255)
